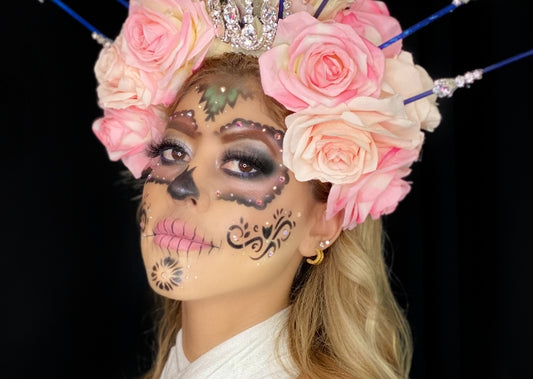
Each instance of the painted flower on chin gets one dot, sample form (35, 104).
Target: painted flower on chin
(126, 132)
(340, 144)
(319, 63)
(376, 193)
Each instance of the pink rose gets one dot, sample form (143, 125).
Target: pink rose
(340, 144)
(371, 19)
(166, 40)
(377, 193)
(405, 78)
(314, 62)
(311, 6)
(125, 133)
(119, 85)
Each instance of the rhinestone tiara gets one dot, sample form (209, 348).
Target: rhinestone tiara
(247, 27)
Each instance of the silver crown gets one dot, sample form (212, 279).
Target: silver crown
(245, 26)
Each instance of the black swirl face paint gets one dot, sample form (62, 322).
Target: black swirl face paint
(166, 274)
(262, 240)
(144, 214)
(143, 217)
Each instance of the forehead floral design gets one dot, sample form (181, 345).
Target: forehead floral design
(360, 104)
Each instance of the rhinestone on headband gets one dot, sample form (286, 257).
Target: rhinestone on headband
(248, 32)
(446, 87)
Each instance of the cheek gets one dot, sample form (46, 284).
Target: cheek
(261, 239)
(252, 194)
(144, 211)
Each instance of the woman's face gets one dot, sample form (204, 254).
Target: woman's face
(221, 215)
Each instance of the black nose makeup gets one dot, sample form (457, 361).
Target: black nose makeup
(183, 186)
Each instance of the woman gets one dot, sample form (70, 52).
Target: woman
(259, 182)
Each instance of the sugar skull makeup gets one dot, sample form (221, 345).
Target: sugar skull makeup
(251, 161)
(220, 212)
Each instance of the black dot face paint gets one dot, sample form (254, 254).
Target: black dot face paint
(166, 274)
(262, 240)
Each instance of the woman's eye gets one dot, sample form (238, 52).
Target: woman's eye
(174, 154)
(240, 168)
(169, 152)
(247, 165)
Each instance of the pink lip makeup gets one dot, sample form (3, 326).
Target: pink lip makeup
(178, 236)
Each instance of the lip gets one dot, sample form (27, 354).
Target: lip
(176, 235)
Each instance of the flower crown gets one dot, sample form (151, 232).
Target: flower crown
(350, 126)
(338, 65)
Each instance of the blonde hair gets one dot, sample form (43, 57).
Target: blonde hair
(344, 321)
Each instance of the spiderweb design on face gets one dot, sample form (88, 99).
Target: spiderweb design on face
(265, 239)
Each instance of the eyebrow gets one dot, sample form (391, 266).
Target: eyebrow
(240, 129)
(184, 121)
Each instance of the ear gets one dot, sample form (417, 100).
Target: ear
(321, 230)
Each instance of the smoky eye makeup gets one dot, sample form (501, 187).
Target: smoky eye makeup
(247, 163)
(169, 151)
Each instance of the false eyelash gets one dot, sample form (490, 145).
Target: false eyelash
(154, 149)
(258, 160)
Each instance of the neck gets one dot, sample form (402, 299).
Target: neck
(208, 322)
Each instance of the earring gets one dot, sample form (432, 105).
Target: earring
(318, 259)
(324, 244)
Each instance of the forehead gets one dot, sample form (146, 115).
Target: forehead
(216, 105)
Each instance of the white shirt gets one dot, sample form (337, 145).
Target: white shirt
(250, 354)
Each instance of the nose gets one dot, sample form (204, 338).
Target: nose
(183, 187)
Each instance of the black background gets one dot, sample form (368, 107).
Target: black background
(75, 300)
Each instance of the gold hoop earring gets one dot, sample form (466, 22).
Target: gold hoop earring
(318, 259)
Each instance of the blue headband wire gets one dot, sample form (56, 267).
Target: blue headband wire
(428, 20)
(450, 85)
(320, 8)
(97, 35)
